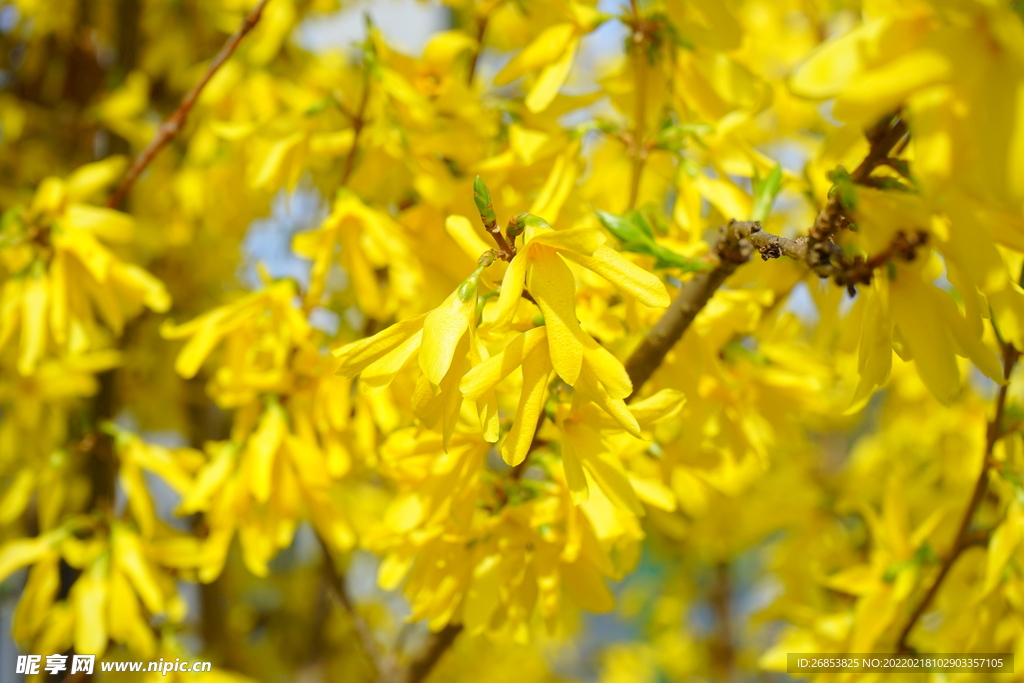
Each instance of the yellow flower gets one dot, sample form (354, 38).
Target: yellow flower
(587, 455)
(561, 344)
(261, 330)
(58, 276)
(444, 338)
(539, 266)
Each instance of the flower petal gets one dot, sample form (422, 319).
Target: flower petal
(624, 274)
(583, 241)
(485, 376)
(591, 389)
(382, 371)
(443, 328)
(552, 285)
(574, 446)
(536, 372)
(510, 294)
(355, 357)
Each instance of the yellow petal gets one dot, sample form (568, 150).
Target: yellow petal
(460, 229)
(915, 311)
(359, 354)
(210, 479)
(34, 300)
(551, 283)
(581, 241)
(86, 181)
(607, 472)
(485, 376)
(536, 373)
(607, 368)
(487, 404)
(22, 552)
(1005, 540)
(58, 298)
(551, 79)
(108, 224)
(832, 66)
(586, 587)
(36, 598)
(154, 294)
(129, 557)
(139, 501)
(662, 405)
(724, 195)
(559, 184)
(574, 447)
(484, 594)
(653, 492)
(382, 371)
(443, 328)
(90, 602)
(262, 449)
(591, 388)
(624, 274)
(545, 49)
(882, 89)
(511, 292)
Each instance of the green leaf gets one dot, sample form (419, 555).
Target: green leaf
(631, 227)
(637, 236)
(844, 186)
(765, 191)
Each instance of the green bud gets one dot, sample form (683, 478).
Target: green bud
(482, 197)
(467, 290)
(516, 226)
(518, 223)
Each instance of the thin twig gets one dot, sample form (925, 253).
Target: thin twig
(384, 666)
(481, 28)
(637, 150)
(964, 538)
(722, 648)
(358, 123)
(431, 654)
(174, 123)
(883, 140)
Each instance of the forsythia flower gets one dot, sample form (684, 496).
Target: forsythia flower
(58, 275)
(443, 339)
(119, 586)
(489, 557)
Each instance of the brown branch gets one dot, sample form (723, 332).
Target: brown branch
(883, 139)
(964, 538)
(721, 648)
(384, 666)
(358, 123)
(174, 123)
(732, 251)
(439, 643)
(846, 271)
(739, 239)
(735, 244)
